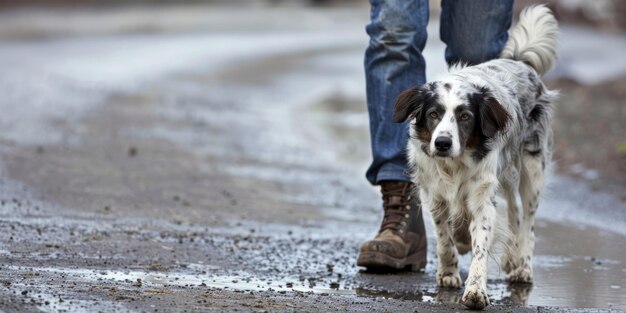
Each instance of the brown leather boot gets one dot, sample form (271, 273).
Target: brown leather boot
(401, 240)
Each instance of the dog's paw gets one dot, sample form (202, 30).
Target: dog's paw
(475, 298)
(449, 279)
(522, 274)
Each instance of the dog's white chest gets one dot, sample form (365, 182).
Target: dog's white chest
(450, 183)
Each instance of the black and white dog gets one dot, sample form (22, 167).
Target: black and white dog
(479, 131)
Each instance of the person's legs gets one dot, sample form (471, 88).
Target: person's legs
(393, 63)
(474, 31)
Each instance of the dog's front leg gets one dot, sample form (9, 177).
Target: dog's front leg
(482, 227)
(448, 269)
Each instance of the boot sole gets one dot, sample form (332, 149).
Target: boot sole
(378, 261)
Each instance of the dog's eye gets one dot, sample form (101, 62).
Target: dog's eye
(434, 114)
(465, 117)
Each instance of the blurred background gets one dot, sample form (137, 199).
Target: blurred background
(224, 143)
(590, 72)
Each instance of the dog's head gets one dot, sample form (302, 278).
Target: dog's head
(451, 117)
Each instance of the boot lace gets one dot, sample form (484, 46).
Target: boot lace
(397, 206)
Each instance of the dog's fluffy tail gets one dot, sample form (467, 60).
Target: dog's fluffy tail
(533, 39)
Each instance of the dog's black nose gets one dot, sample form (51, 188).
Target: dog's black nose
(443, 143)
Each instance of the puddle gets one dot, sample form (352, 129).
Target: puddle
(240, 281)
(586, 273)
(155, 282)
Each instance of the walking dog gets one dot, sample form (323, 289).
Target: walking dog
(484, 130)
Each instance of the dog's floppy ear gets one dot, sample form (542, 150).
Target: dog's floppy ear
(410, 103)
(493, 117)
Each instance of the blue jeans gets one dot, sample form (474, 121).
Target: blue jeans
(474, 31)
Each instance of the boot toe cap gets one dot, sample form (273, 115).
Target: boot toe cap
(390, 248)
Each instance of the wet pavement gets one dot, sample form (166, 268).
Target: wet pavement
(223, 170)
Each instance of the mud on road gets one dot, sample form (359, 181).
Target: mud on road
(235, 183)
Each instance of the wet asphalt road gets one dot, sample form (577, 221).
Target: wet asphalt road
(222, 170)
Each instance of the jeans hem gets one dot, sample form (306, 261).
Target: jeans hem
(397, 175)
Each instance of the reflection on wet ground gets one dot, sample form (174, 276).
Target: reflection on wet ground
(562, 277)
